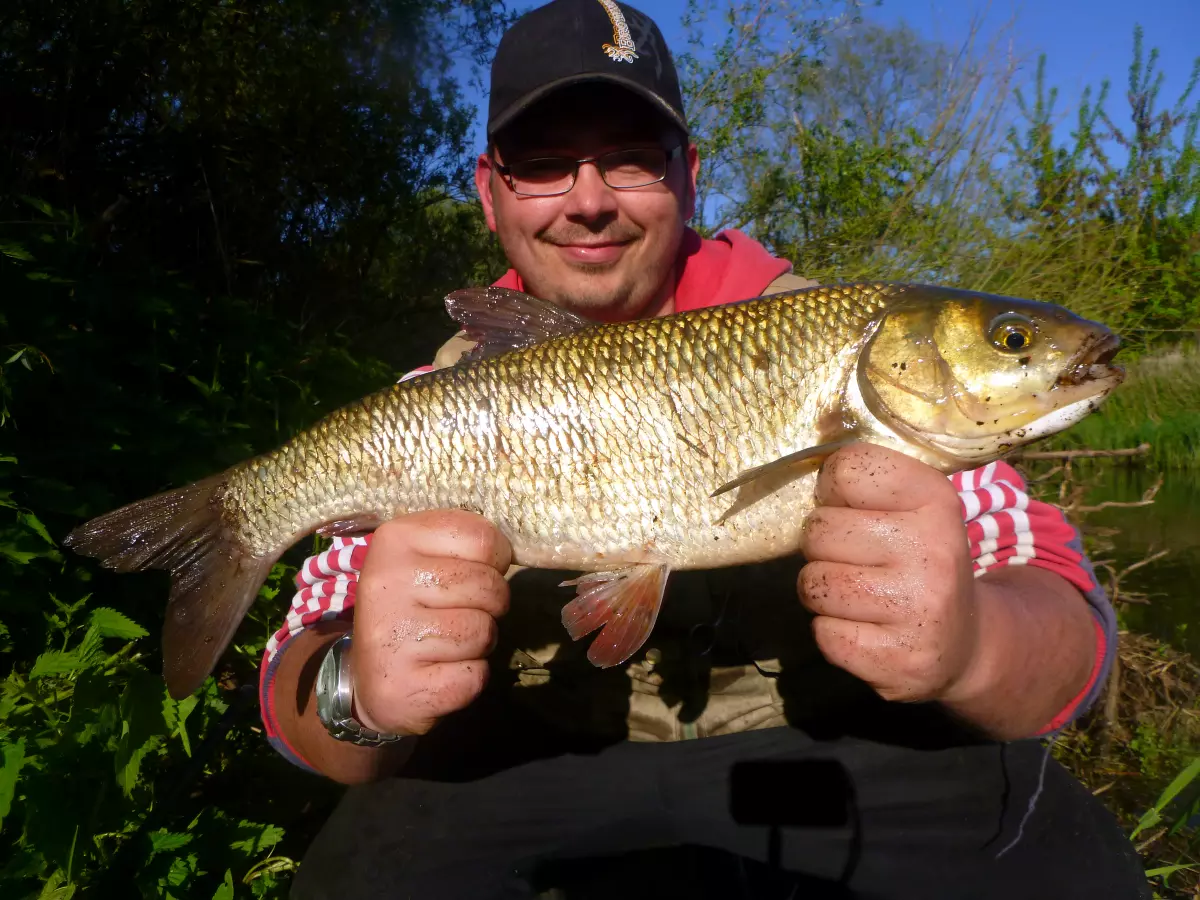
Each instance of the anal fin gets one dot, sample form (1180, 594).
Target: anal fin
(624, 601)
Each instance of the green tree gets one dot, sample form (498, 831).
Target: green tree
(217, 221)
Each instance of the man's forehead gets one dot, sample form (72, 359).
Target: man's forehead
(584, 115)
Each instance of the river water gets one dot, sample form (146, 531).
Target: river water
(1171, 523)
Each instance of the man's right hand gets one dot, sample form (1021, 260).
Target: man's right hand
(430, 591)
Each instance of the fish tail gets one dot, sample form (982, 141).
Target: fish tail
(214, 577)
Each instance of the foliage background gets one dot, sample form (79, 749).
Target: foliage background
(219, 219)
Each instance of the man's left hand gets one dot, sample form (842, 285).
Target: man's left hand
(889, 574)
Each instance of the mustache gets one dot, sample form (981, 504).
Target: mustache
(581, 234)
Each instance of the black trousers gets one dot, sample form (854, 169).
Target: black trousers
(765, 814)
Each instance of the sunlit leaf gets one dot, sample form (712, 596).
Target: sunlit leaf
(34, 524)
(225, 891)
(55, 662)
(111, 623)
(1154, 815)
(162, 840)
(256, 838)
(1167, 870)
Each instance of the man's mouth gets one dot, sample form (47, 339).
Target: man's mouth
(593, 251)
(1092, 362)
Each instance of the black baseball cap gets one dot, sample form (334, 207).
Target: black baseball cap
(569, 42)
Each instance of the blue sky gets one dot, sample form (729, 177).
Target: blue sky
(1085, 41)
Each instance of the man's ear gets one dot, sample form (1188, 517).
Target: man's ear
(483, 184)
(693, 172)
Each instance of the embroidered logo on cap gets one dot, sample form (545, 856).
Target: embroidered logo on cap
(624, 49)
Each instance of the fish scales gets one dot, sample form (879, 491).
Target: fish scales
(603, 445)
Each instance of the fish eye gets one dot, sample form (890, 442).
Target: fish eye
(1011, 333)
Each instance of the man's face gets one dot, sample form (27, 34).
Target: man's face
(604, 252)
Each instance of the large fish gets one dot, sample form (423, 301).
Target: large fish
(625, 450)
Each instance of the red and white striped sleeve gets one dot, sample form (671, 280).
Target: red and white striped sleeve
(1006, 527)
(326, 584)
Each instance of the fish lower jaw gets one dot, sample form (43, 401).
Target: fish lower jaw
(978, 450)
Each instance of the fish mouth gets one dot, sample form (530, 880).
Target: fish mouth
(1093, 362)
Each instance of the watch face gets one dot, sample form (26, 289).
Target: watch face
(326, 688)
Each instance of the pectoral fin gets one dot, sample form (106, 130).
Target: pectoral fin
(624, 601)
(777, 466)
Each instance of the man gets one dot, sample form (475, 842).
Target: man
(857, 727)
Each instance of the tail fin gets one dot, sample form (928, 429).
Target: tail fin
(213, 577)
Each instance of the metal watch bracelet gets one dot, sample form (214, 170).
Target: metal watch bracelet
(335, 696)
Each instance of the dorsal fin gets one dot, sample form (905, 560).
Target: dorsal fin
(498, 320)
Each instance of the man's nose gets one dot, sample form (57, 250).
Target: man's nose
(590, 198)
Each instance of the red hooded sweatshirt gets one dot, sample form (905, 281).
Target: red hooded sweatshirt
(725, 269)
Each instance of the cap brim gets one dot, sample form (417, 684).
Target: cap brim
(508, 115)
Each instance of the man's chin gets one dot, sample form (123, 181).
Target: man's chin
(598, 292)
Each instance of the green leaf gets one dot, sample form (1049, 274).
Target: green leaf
(162, 840)
(225, 891)
(143, 726)
(203, 388)
(256, 838)
(182, 869)
(89, 650)
(1154, 815)
(1167, 870)
(111, 623)
(34, 524)
(20, 557)
(55, 662)
(14, 761)
(175, 713)
(14, 250)
(54, 889)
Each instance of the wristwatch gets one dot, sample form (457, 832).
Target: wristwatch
(335, 694)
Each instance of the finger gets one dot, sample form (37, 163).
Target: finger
(446, 583)
(858, 593)
(454, 533)
(867, 476)
(895, 661)
(446, 635)
(863, 649)
(859, 537)
(414, 703)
